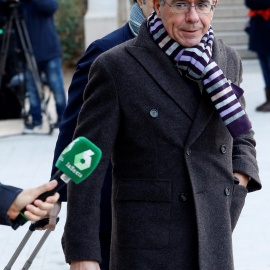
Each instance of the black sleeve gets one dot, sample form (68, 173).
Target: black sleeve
(75, 101)
(7, 195)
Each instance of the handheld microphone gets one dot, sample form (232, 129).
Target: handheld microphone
(76, 162)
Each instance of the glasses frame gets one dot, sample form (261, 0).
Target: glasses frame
(189, 7)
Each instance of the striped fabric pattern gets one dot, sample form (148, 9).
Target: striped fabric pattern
(136, 19)
(197, 64)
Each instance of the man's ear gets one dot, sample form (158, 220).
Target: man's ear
(140, 3)
(156, 4)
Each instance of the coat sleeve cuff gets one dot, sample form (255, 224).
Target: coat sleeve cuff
(7, 195)
(89, 252)
(249, 170)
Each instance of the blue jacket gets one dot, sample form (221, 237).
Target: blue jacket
(39, 20)
(7, 196)
(259, 30)
(75, 101)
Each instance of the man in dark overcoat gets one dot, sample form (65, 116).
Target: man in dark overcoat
(181, 146)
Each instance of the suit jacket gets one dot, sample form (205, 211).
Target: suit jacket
(174, 201)
(75, 101)
(7, 195)
(259, 29)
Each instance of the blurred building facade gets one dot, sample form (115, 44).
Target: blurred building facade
(104, 16)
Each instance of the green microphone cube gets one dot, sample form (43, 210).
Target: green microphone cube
(79, 159)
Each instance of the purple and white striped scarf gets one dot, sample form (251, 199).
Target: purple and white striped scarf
(197, 64)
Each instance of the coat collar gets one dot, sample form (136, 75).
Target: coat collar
(165, 73)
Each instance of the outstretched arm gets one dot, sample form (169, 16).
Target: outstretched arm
(38, 209)
(13, 200)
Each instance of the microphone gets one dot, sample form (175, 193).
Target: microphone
(76, 162)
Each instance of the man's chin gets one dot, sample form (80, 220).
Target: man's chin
(190, 43)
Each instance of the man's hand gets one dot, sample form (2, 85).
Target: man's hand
(84, 265)
(38, 209)
(243, 179)
(52, 215)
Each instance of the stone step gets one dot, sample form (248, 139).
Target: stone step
(231, 11)
(230, 2)
(232, 24)
(233, 38)
(244, 53)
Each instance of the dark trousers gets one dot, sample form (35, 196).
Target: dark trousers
(265, 65)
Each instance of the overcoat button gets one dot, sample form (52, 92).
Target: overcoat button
(154, 113)
(227, 191)
(183, 197)
(188, 152)
(223, 149)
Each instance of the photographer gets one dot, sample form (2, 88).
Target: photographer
(39, 20)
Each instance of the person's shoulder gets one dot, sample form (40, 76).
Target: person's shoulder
(230, 52)
(119, 50)
(115, 38)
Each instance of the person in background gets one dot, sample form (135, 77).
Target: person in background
(39, 20)
(166, 108)
(140, 10)
(13, 200)
(259, 41)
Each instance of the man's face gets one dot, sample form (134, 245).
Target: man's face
(146, 7)
(187, 29)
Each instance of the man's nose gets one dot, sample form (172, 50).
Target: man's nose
(192, 15)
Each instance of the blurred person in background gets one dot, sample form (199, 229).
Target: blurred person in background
(259, 41)
(39, 20)
(13, 200)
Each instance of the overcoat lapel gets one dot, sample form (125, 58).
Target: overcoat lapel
(164, 72)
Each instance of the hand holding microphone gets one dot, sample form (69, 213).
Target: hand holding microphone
(38, 209)
(76, 162)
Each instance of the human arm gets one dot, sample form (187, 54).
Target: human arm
(75, 101)
(99, 122)
(24, 199)
(245, 166)
(7, 196)
(244, 161)
(46, 7)
(84, 265)
(257, 4)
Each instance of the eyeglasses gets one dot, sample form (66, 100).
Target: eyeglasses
(185, 8)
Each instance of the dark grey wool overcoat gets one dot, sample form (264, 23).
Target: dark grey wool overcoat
(174, 201)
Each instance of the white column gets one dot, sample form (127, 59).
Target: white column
(124, 7)
(100, 19)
